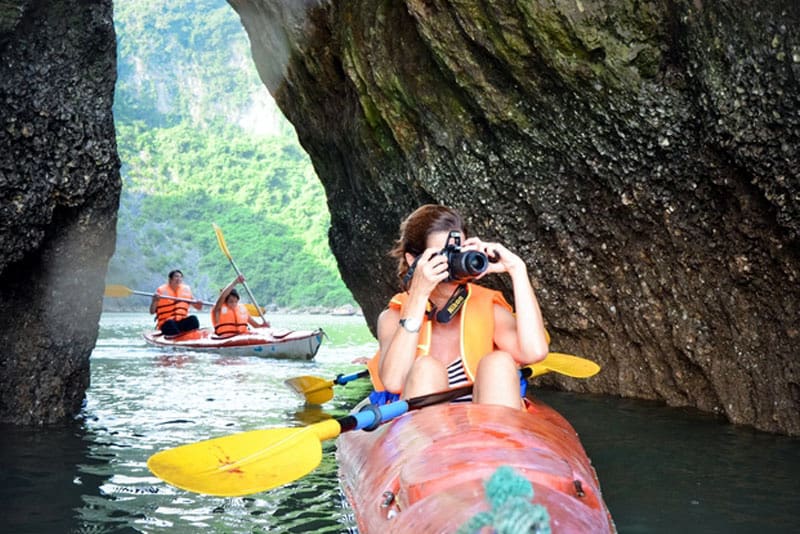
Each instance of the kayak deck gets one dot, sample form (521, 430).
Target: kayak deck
(265, 342)
(424, 472)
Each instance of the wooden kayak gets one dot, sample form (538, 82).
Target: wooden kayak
(425, 471)
(264, 342)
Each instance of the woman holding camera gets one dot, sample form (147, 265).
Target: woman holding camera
(444, 331)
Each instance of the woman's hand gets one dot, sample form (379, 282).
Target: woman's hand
(430, 269)
(501, 260)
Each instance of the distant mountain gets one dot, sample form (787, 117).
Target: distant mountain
(202, 141)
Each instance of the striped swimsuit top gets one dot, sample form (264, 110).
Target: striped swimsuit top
(456, 376)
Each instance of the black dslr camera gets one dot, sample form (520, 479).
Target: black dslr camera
(462, 266)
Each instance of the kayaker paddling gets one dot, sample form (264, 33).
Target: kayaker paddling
(172, 316)
(228, 316)
(469, 333)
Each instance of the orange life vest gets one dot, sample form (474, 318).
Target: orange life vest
(477, 330)
(172, 309)
(231, 320)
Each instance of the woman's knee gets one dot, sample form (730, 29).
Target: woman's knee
(497, 362)
(497, 380)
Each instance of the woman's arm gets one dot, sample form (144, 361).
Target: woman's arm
(216, 310)
(397, 357)
(256, 324)
(398, 346)
(521, 334)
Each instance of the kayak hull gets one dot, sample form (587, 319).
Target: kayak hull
(425, 471)
(263, 342)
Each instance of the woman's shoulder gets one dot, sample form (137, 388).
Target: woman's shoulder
(482, 291)
(388, 321)
(397, 301)
(388, 312)
(489, 295)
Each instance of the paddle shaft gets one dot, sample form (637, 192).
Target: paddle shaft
(249, 293)
(116, 291)
(344, 379)
(564, 364)
(224, 247)
(146, 294)
(340, 380)
(373, 415)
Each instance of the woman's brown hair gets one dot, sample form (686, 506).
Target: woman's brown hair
(415, 229)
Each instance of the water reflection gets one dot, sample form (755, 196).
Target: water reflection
(661, 470)
(310, 414)
(680, 470)
(43, 475)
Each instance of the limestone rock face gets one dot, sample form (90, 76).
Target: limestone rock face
(59, 193)
(642, 157)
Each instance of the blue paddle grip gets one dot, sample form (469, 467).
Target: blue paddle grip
(344, 379)
(387, 411)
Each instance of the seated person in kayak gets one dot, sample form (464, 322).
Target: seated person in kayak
(228, 316)
(444, 331)
(171, 303)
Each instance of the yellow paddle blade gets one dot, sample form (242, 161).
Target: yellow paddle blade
(565, 364)
(117, 291)
(244, 463)
(313, 389)
(221, 240)
(253, 310)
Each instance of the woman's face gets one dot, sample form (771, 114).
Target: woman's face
(232, 301)
(437, 240)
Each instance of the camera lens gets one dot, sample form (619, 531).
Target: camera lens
(476, 262)
(466, 265)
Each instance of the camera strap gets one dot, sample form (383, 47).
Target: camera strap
(410, 273)
(453, 305)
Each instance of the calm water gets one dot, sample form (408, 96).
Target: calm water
(662, 470)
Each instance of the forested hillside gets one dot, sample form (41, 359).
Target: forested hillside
(201, 141)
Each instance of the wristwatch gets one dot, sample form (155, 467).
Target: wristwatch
(411, 324)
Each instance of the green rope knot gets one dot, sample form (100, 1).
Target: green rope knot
(512, 512)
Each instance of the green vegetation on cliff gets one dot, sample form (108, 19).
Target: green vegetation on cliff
(201, 141)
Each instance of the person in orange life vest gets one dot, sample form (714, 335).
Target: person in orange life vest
(422, 332)
(228, 316)
(172, 316)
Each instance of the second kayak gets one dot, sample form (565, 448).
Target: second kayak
(264, 342)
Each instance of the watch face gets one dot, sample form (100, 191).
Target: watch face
(412, 325)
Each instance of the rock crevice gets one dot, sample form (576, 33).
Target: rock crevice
(640, 157)
(59, 194)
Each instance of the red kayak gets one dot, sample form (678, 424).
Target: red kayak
(424, 472)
